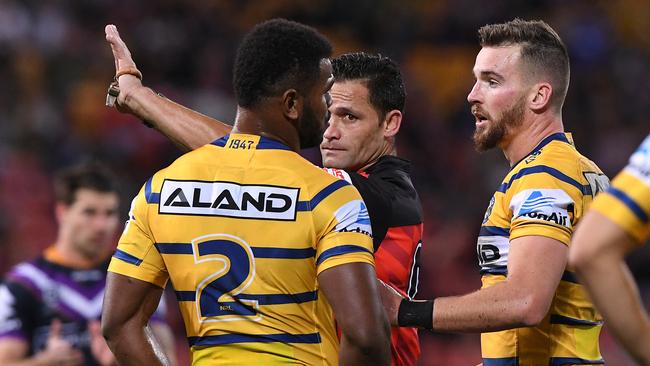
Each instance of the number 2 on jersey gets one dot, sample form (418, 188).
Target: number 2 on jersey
(217, 293)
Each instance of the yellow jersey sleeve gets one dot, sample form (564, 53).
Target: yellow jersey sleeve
(544, 205)
(627, 201)
(136, 255)
(343, 228)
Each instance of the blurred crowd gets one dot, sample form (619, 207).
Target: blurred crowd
(55, 67)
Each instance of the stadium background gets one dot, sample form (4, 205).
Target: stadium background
(55, 66)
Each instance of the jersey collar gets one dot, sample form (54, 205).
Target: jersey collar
(559, 136)
(257, 142)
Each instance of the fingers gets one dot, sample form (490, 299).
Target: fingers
(95, 329)
(121, 53)
(55, 329)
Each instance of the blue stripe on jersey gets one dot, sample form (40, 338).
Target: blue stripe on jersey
(311, 204)
(221, 142)
(268, 144)
(498, 270)
(340, 250)
(565, 320)
(585, 189)
(494, 231)
(262, 299)
(126, 257)
(564, 361)
(151, 197)
(258, 252)
(285, 253)
(629, 202)
(506, 361)
(570, 277)
(216, 340)
(174, 248)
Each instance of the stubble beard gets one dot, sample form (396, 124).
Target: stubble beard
(490, 136)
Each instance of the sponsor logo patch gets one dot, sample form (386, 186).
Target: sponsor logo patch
(353, 217)
(550, 205)
(640, 161)
(228, 199)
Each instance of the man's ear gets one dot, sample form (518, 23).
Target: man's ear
(292, 104)
(392, 123)
(60, 210)
(540, 99)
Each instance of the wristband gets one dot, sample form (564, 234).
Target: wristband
(130, 71)
(415, 314)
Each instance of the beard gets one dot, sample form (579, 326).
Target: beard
(310, 129)
(493, 133)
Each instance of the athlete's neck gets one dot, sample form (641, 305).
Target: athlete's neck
(387, 149)
(523, 140)
(63, 253)
(262, 122)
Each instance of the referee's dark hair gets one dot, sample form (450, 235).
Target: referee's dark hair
(93, 176)
(381, 75)
(275, 56)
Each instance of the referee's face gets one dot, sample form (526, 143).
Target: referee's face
(354, 137)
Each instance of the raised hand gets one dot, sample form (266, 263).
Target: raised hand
(127, 74)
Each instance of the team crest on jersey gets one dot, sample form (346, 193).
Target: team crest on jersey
(228, 199)
(353, 217)
(488, 212)
(549, 205)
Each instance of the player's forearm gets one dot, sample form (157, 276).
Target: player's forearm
(186, 128)
(135, 345)
(490, 309)
(613, 290)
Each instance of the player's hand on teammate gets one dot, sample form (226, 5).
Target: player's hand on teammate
(58, 351)
(126, 71)
(98, 345)
(391, 300)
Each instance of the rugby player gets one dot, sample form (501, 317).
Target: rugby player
(50, 306)
(616, 224)
(358, 146)
(531, 310)
(260, 246)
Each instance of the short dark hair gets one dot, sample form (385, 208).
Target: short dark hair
(381, 74)
(541, 48)
(277, 55)
(93, 176)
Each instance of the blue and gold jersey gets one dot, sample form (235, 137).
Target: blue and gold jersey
(545, 194)
(242, 227)
(627, 201)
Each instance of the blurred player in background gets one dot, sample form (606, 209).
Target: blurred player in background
(530, 309)
(617, 224)
(261, 246)
(365, 116)
(50, 306)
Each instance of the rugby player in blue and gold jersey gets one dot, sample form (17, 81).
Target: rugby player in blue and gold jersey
(261, 247)
(617, 224)
(358, 145)
(531, 310)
